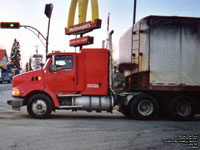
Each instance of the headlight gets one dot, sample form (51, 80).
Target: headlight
(15, 92)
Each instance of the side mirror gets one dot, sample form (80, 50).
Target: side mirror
(53, 63)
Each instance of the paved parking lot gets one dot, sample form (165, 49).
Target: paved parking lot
(82, 130)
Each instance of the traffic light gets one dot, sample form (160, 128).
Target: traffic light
(10, 25)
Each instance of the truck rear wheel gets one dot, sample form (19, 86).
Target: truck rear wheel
(182, 108)
(39, 106)
(144, 107)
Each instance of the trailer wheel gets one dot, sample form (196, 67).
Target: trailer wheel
(144, 107)
(39, 106)
(182, 108)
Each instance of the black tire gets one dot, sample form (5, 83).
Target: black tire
(39, 106)
(143, 107)
(182, 108)
(125, 111)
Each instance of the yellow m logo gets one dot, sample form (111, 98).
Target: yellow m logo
(82, 11)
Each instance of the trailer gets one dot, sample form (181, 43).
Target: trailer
(160, 57)
(161, 68)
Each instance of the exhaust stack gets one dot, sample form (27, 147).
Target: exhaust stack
(110, 63)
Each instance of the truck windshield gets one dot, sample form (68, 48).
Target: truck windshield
(46, 63)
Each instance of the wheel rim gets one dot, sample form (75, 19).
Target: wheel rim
(145, 107)
(39, 107)
(184, 108)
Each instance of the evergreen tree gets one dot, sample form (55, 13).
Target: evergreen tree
(15, 55)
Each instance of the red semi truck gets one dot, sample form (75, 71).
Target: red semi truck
(77, 81)
(162, 75)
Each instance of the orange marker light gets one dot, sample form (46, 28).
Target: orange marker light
(39, 78)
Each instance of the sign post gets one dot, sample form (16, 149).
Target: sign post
(48, 12)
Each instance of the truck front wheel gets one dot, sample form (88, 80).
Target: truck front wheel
(182, 108)
(144, 107)
(39, 106)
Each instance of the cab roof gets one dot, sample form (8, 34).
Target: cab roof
(59, 53)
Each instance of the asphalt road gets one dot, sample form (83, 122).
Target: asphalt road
(5, 87)
(67, 130)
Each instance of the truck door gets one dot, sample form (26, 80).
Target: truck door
(63, 78)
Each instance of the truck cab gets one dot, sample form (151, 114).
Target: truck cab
(77, 81)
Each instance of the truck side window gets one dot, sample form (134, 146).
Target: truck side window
(62, 62)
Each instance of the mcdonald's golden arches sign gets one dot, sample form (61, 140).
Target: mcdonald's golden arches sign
(83, 26)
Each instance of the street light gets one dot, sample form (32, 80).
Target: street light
(16, 25)
(48, 12)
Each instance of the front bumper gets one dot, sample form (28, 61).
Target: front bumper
(16, 103)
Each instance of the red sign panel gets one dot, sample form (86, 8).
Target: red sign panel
(83, 28)
(81, 41)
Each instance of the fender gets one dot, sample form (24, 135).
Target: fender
(26, 89)
(129, 97)
(53, 96)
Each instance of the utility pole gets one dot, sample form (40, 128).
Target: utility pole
(134, 11)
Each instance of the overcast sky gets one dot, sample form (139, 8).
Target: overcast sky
(31, 12)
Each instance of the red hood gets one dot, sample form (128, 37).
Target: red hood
(27, 78)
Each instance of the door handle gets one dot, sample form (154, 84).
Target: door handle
(67, 69)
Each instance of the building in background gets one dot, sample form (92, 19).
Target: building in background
(5, 72)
